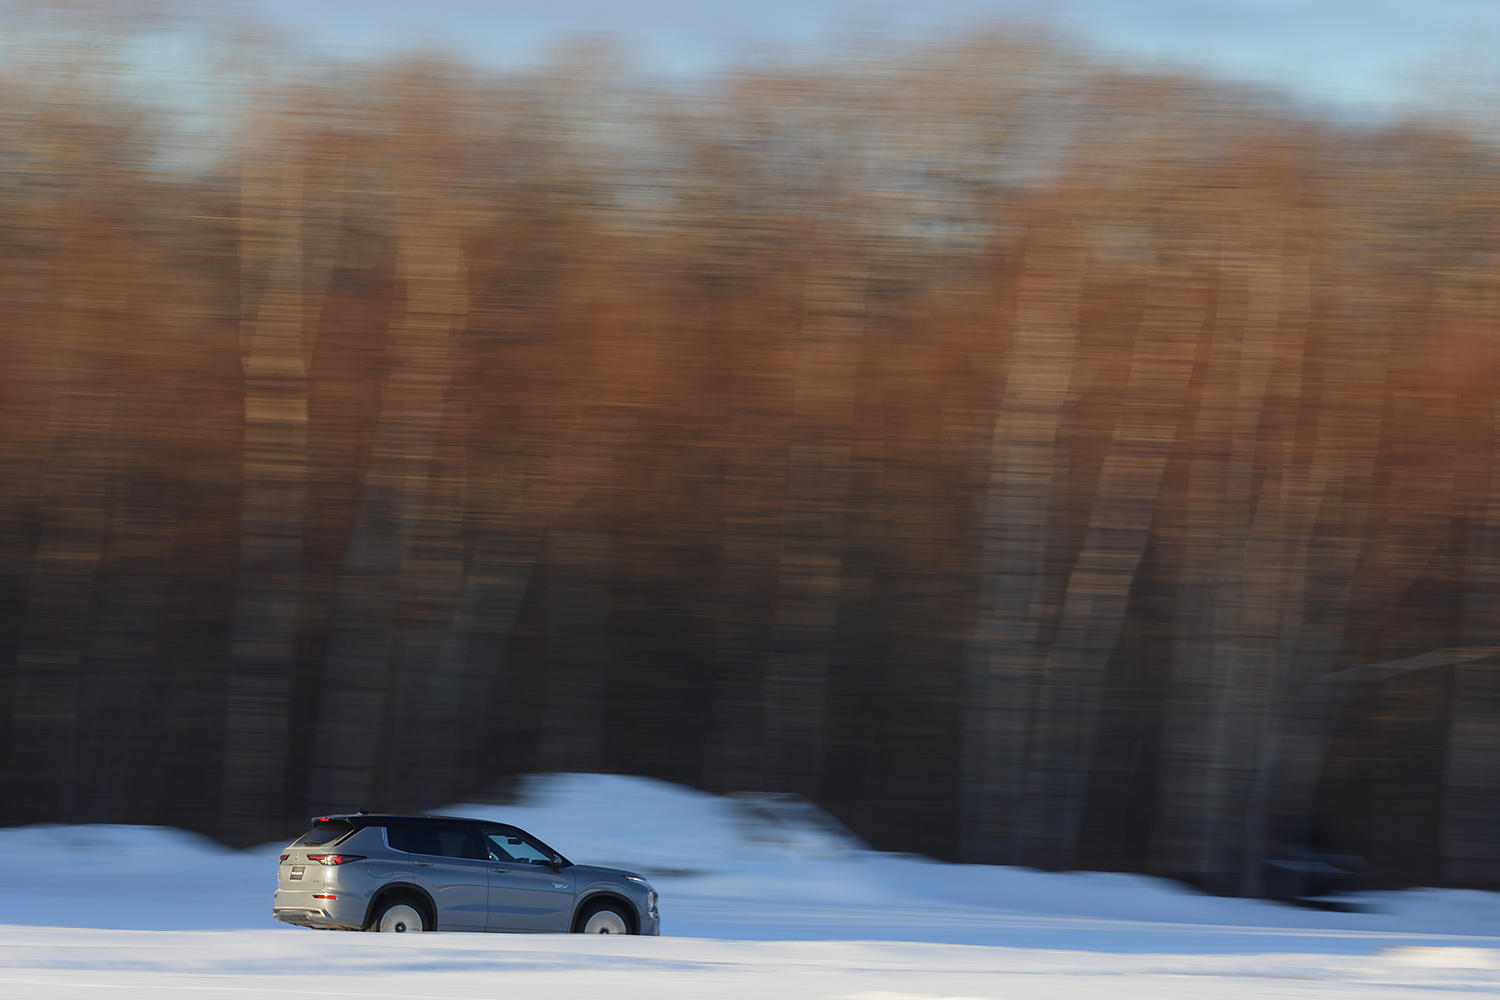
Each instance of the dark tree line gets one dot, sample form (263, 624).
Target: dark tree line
(1032, 463)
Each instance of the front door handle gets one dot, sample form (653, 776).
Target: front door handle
(500, 870)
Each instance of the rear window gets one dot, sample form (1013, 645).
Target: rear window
(325, 832)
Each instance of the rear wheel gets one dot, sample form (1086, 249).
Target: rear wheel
(604, 918)
(399, 916)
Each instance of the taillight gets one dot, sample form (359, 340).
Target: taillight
(335, 859)
(285, 856)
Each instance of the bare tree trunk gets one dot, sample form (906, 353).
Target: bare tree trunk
(577, 653)
(1263, 665)
(1305, 725)
(1348, 441)
(1234, 578)
(459, 701)
(752, 496)
(1024, 470)
(1471, 779)
(401, 456)
(1093, 612)
(418, 762)
(1470, 850)
(1308, 692)
(1220, 487)
(811, 567)
(79, 478)
(281, 319)
(470, 666)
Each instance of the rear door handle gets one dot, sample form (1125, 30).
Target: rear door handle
(422, 864)
(500, 870)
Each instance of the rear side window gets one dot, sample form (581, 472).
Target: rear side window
(325, 832)
(441, 840)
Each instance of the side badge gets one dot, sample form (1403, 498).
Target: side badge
(559, 885)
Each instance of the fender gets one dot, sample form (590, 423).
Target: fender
(401, 888)
(626, 905)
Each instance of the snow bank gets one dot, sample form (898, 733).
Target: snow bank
(741, 867)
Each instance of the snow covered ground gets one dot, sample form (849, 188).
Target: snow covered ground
(759, 896)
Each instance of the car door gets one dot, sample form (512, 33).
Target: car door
(445, 861)
(525, 893)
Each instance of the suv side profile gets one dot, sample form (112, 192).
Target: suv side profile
(405, 874)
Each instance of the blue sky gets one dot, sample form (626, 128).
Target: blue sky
(1344, 50)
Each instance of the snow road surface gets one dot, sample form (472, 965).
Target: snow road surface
(761, 896)
(46, 963)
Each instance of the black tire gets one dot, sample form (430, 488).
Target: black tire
(604, 917)
(399, 915)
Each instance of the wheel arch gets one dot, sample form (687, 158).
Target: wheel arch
(625, 906)
(402, 889)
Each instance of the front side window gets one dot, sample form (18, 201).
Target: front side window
(509, 844)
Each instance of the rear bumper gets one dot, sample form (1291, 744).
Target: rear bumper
(305, 916)
(305, 910)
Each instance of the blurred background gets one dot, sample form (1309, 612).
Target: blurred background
(1030, 455)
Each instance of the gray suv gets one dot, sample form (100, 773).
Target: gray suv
(439, 873)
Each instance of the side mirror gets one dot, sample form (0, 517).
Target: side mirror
(557, 863)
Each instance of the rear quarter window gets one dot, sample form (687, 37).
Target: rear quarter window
(401, 836)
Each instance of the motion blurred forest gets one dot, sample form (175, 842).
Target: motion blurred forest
(1030, 461)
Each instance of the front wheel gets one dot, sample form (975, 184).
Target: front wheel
(603, 918)
(399, 917)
